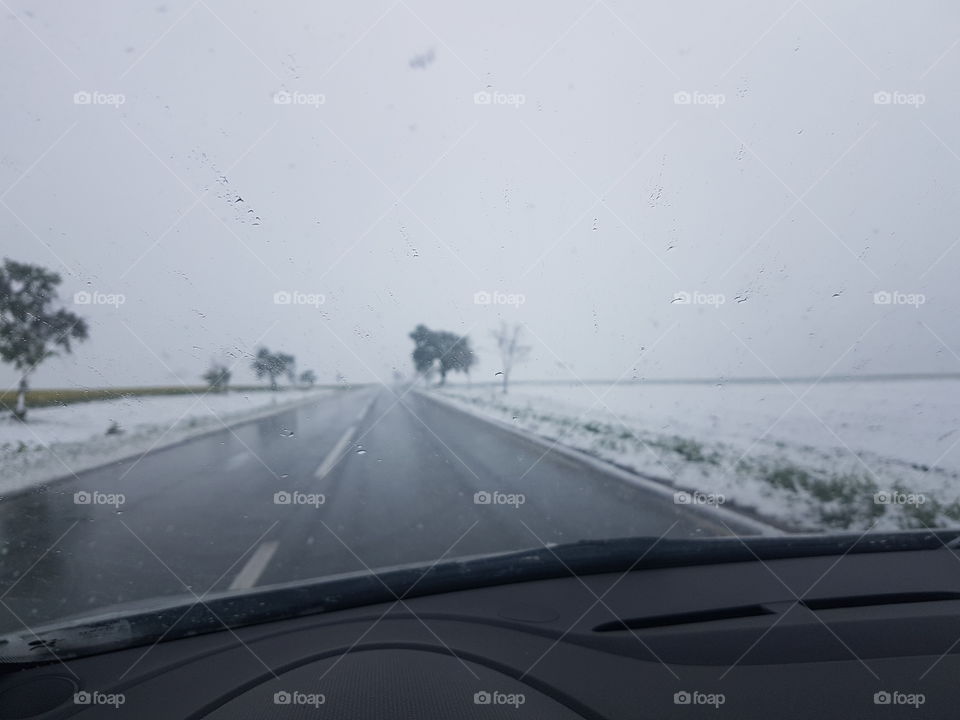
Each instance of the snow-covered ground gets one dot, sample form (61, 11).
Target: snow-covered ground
(58, 441)
(810, 457)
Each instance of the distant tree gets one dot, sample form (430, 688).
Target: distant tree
(456, 355)
(308, 377)
(441, 350)
(32, 328)
(511, 351)
(272, 365)
(425, 352)
(217, 377)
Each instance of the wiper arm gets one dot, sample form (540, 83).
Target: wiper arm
(171, 619)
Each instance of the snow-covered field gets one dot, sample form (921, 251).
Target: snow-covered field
(58, 441)
(809, 457)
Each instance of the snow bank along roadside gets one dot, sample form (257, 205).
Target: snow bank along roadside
(60, 441)
(799, 473)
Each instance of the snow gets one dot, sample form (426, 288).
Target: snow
(63, 440)
(809, 456)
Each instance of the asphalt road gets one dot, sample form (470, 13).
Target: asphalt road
(375, 477)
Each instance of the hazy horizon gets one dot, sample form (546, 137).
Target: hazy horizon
(341, 152)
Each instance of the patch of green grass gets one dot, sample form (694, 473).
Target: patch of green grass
(952, 510)
(788, 478)
(690, 450)
(925, 515)
(842, 501)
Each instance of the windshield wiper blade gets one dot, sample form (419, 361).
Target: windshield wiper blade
(144, 622)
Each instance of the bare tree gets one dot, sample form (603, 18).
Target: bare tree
(511, 351)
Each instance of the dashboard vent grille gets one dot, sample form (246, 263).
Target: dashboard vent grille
(699, 616)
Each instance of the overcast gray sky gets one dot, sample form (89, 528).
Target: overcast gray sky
(587, 185)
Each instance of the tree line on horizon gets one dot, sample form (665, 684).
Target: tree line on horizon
(35, 326)
(443, 352)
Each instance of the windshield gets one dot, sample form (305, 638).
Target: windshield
(296, 290)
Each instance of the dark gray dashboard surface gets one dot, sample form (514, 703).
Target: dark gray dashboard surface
(860, 635)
